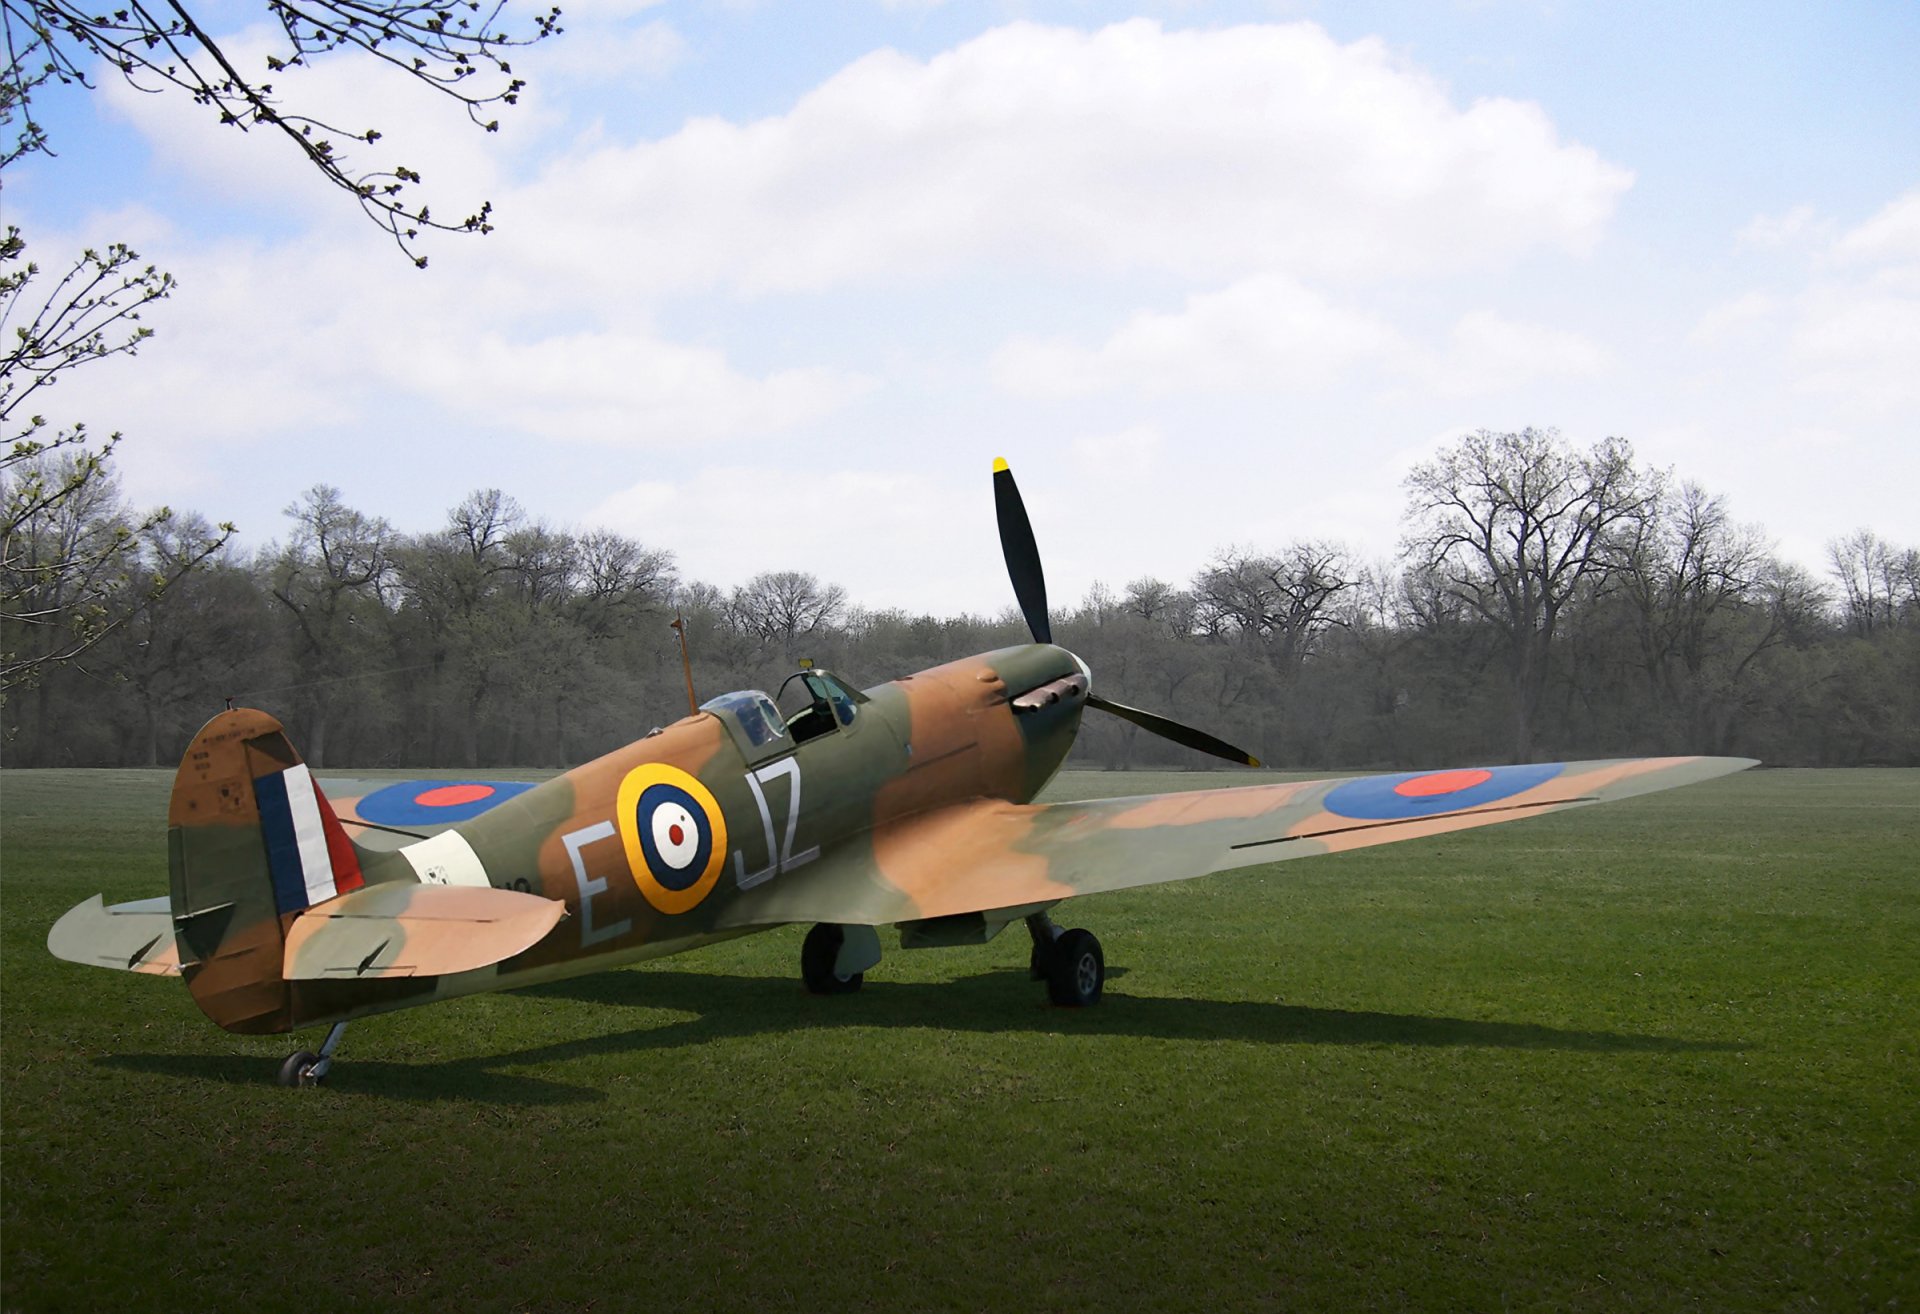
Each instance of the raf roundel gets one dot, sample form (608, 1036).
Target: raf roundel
(434, 802)
(675, 835)
(1430, 793)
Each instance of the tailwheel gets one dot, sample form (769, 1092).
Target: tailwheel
(307, 1068)
(298, 1070)
(1076, 969)
(818, 955)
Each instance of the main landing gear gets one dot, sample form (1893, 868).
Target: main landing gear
(834, 959)
(308, 1068)
(1070, 962)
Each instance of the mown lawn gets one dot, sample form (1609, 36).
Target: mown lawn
(1657, 1055)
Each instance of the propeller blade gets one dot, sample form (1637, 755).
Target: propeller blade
(1021, 552)
(1199, 740)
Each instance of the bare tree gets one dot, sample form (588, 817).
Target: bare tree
(1518, 525)
(785, 606)
(1706, 599)
(1879, 583)
(456, 48)
(1269, 612)
(209, 634)
(618, 579)
(68, 546)
(1692, 566)
(332, 578)
(1283, 602)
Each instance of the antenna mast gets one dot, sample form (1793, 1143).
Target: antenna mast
(686, 663)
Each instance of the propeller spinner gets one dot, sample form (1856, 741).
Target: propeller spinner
(1030, 589)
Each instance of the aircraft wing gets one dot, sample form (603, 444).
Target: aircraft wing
(373, 808)
(986, 854)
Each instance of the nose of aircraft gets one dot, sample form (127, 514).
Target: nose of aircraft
(1022, 555)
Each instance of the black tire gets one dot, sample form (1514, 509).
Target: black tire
(1077, 970)
(817, 956)
(294, 1072)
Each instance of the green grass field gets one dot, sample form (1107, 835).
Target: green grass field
(1658, 1055)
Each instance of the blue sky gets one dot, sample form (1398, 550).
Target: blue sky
(774, 283)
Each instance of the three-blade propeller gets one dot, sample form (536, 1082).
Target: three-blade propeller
(1030, 588)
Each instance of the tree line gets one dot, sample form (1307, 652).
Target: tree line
(1548, 600)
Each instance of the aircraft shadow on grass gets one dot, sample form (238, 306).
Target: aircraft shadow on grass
(731, 1007)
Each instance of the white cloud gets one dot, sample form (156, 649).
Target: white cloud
(1130, 454)
(1890, 237)
(1841, 324)
(1270, 335)
(595, 51)
(1862, 344)
(1734, 319)
(602, 11)
(718, 520)
(1857, 338)
(1488, 353)
(349, 367)
(1263, 334)
(628, 389)
(1208, 154)
(1768, 232)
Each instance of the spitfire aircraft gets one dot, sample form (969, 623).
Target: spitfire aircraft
(908, 805)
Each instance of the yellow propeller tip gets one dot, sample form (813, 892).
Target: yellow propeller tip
(999, 464)
(1253, 761)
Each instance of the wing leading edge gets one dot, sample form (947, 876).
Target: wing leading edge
(986, 854)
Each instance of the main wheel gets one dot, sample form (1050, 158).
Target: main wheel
(817, 956)
(298, 1069)
(1076, 970)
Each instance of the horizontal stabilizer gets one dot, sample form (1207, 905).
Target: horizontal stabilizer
(133, 937)
(401, 929)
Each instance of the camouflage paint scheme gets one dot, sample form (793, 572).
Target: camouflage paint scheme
(910, 805)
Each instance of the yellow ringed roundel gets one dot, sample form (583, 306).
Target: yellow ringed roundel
(675, 835)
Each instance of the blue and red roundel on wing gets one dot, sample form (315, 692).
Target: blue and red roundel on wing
(435, 802)
(1430, 793)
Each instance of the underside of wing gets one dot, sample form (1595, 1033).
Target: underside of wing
(400, 929)
(984, 854)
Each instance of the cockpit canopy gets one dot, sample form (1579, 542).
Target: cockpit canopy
(753, 712)
(830, 704)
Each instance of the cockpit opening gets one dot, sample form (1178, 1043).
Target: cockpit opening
(829, 704)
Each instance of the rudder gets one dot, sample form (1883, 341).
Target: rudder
(251, 843)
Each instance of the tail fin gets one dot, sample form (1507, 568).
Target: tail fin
(275, 922)
(242, 793)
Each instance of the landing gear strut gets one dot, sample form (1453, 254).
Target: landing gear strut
(1070, 962)
(308, 1068)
